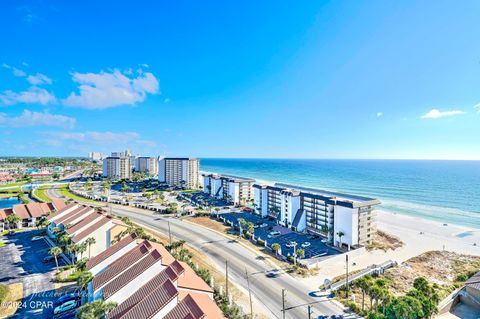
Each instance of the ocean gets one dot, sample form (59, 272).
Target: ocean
(444, 191)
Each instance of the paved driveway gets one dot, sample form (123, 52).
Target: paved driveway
(21, 261)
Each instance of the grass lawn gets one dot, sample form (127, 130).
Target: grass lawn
(2, 244)
(13, 297)
(42, 194)
(8, 195)
(13, 184)
(66, 192)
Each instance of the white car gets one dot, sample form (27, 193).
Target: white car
(306, 244)
(65, 307)
(35, 238)
(291, 244)
(273, 234)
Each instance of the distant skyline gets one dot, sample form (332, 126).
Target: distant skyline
(314, 79)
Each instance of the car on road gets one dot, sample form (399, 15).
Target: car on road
(291, 244)
(273, 234)
(273, 273)
(67, 297)
(306, 244)
(72, 304)
(261, 225)
(48, 259)
(35, 238)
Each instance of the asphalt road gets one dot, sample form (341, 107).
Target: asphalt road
(267, 291)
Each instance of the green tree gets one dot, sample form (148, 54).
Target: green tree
(276, 248)
(340, 235)
(95, 310)
(13, 219)
(404, 307)
(55, 252)
(300, 253)
(364, 284)
(90, 241)
(83, 279)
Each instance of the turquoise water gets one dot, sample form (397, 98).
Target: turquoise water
(9, 202)
(445, 191)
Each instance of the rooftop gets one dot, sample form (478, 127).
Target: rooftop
(110, 251)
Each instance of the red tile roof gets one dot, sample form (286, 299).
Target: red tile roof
(61, 211)
(102, 221)
(5, 212)
(110, 251)
(143, 292)
(156, 301)
(22, 211)
(68, 217)
(186, 309)
(121, 265)
(86, 218)
(208, 305)
(34, 210)
(58, 204)
(190, 280)
(118, 283)
(47, 208)
(80, 214)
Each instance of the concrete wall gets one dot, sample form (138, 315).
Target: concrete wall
(346, 221)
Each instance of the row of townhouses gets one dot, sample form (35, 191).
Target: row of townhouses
(29, 213)
(140, 276)
(343, 218)
(233, 189)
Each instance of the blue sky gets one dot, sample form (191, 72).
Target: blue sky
(310, 79)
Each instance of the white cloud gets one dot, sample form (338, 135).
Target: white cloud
(38, 79)
(477, 107)
(29, 118)
(379, 114)
(104, 90)
(435, 114)
(15, 71)
(32, 95)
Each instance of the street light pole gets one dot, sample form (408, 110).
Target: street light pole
(283, 303)
(346, 282)
(249, 293)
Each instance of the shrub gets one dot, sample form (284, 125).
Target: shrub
(260, 242)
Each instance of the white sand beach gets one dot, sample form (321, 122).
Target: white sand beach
(418, 234)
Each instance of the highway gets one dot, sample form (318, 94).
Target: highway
(218, 248)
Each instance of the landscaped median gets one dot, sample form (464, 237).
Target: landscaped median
(10, 298)
(41, 194)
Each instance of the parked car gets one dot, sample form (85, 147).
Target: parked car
(291, 244)
(261, 225)
(48, 259)
(35, 238)
(72, 304)
(67, 297)
(306, 244)
(11, 233)
(273, 234)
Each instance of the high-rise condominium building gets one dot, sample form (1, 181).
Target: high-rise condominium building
(117, 167)
(237, 190)
(95, 156)
(180, 172)
(342, 218)
(148, 165)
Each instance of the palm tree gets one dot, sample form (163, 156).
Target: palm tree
(364, 284)
(276, 248)
(83, 279)
(300, 253)
(64, 240)
(81, 249)
(55, 252)
(90, 241)
(13, 219)
(250, 227)
(340, 234)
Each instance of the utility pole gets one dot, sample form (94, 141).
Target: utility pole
(283, 303)
(346, 279)
(249, 293)
(226, 278)
(309, 312)
(294, 253)
(169, 234)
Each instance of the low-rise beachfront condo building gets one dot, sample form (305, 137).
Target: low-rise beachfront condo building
(344, 219)
(233, 189)
(180, 172)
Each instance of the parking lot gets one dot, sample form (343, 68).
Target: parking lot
(316, 248)
(22, 261)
